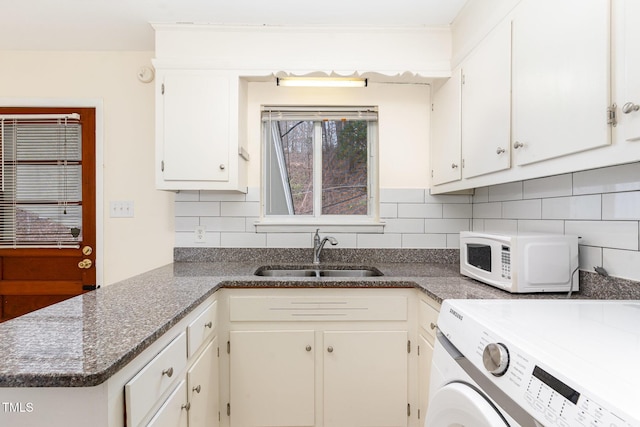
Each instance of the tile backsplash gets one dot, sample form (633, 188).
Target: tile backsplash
(414, 219)
(602, 206)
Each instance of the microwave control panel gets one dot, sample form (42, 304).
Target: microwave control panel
(506, 262)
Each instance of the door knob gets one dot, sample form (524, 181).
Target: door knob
(85, 263)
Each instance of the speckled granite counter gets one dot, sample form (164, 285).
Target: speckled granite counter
(83, 341)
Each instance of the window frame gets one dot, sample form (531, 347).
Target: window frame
(369, 223)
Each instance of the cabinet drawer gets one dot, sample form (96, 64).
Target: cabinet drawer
(201, 329)
(173, 412)
(428, 317)
(297, 309)
(144, 390)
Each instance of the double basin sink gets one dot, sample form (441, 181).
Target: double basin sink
(318, 272)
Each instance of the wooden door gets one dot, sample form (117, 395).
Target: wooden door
(35, 277)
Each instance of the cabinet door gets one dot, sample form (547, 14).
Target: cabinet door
(365, 378)
(272, 378)
(425, 355)
(486, 105)
(445, 132)
(194, 125)
(173, 412)
(202, 387)
(630, 64)
(561, 85)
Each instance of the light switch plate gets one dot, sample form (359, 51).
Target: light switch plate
(121, 209)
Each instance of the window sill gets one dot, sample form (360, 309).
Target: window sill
(285, 225)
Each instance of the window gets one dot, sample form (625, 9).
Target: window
(319, 164)
(40, 181)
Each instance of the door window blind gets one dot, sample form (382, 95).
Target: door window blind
(40, 181)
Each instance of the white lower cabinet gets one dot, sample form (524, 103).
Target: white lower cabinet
(297, 360)
(202, 387)
(173, 412)
(428, 311)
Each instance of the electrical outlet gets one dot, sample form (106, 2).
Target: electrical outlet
(200, 235)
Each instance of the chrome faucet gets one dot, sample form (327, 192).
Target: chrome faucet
(318, 244)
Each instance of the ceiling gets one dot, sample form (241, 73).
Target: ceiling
(124, 24)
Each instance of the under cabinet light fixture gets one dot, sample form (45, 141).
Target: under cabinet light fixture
(321, 81)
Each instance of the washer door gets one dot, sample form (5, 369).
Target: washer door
(459, 405)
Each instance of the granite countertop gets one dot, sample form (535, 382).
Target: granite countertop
(83, 341)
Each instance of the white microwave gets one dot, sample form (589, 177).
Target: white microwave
(521, 263)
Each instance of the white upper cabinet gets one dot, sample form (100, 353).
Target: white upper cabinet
(561, 87)
(197, 131)
(629, 75)
(445, 132)
(486, 105)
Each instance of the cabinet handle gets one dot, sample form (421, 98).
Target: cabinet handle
(500, 150)
(517, 145)
(433, 325)
(197, 389)
(308, 348)
(186, 406)
(630, 107)
(330, 349)
(168, 372)
(453, 166)
(222, 166)
(208, 325)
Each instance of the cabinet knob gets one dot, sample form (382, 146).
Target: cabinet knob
(453, 166)
(308, 348)
(222, 166)
(197, 389)
(168, 372)
(433, 325)
(630, 107)
(517, 145)
(330, 349)
(208, 325)
(500, 150)
(186, 406)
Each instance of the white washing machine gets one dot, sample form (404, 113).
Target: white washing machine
(532, 363)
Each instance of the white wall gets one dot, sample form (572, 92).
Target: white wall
(131, 245)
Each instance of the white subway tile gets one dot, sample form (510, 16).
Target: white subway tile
(552, 186)
(447, 226)
(401, 195)
(487, 210)
(481, 195)
(500, 225)
(187, 240)
(477, 224)
(420, 210)
(243, 240)
(197, 209)
(621, 205)
(239, 208)
(346, 240)
(622, 263)
(503, 192)
(221, 196)
(406, 225)
(576, 207)
(453, 241)
(187, 196)
(607, 180)
(608, 234)
(289, 240)
(388, 210)
(590, 257)
(424, 241)
(379, 240)
(541, 226)
(522, 209)
(457, 210)
(250, 224)
(186, 223)
(226, 224)
(447, 198)
(253, 194)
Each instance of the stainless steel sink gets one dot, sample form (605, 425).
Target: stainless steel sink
(320, 272)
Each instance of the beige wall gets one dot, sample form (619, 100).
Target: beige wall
(130, 245)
